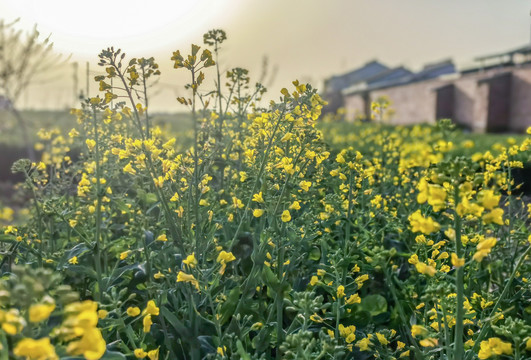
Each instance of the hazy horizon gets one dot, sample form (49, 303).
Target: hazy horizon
(305, 40)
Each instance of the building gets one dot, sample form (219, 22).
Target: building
(494, 96)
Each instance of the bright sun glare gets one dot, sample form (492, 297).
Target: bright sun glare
(84, 28)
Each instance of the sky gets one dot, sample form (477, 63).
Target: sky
(308, 40)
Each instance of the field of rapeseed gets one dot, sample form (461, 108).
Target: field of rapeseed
(265, 233)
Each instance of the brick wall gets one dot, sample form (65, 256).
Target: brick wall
(482, 101)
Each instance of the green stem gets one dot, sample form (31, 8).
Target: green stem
(148, 262)
(257, 180)
(459, 349)
(195, 184)
(279, 298)
(39, 215)
(148, 130)
(401, 313)
(446, 333)
(97, 232)
(486, 325)
(347, 231)
(169, 217)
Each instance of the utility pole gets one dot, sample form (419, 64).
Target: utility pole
(76, 95)
(88, 76)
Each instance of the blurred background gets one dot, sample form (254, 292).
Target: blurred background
(307, 40)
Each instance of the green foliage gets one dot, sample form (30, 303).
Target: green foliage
(258, 235)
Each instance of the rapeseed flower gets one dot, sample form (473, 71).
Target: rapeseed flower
(224, 258)
(184, 277)
(31, 349)
(41, 312)
(494, 347)
(419, 223)
(286, 216)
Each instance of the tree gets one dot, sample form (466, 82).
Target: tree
(23, 57)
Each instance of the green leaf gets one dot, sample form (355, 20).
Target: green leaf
(113, 355)
(315, 254)
(362, 318)
(3, 343)
(175, 322)
(229, 306)
(270, 279)
(241, 351)
(374, 304)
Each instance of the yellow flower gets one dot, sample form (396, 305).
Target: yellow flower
(314, 280)
(73, 133)
(151, 308)
(286, 216)
(258, 212)
(422, 224)
(31, 349)
(184, 277)
(147, 322)
(258, 197)
(364, 344)
(353, 299)
(40, 312)
(494, 347)
(153, 354)
(316, 318)
(140, 353)
(295, 206)
(73, 260)
(305, 185)
(488, 200)
(129, 169)
(361, 279)
(133, 311)
(12, 322)
(425, 269)
(257, 326)
(495, 216)
(413, 260)
(434, 194)
(90, 144)
(483, 248)
(102, 314)
(158, 181)
(456, 261)
(417, 330)
(340, 291)
(190, 260)
(162, 237)
(94, 100)
(91, 345)
(221, 350)
(124, 254)
(224, 258)
(465, 207)
(405, 354)
(429, 342)
(381, 339)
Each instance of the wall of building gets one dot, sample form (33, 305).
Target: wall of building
(354, 106)
(473, 100)
(521, 99)
(412, 103)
